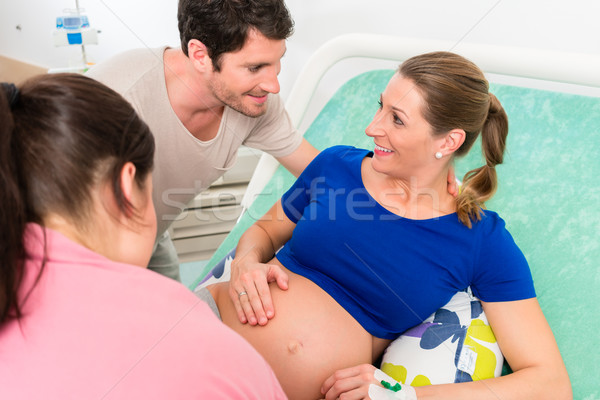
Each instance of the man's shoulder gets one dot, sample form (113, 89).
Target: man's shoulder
(132, 56)
(123, 70)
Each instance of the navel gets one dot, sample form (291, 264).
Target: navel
(295, 346)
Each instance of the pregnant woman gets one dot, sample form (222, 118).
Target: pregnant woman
(368, 243)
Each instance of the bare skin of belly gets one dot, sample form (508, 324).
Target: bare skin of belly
(310, 337)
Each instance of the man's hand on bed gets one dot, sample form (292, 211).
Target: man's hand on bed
(249, 290)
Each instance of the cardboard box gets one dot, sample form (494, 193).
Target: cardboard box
(15, 71)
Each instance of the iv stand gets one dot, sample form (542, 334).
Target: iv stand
(82, 45)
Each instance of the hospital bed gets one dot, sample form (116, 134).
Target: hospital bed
(549, 185)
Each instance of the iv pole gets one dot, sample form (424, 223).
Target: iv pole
(82, 45)
(73, 28)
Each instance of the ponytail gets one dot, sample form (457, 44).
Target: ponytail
(12, 211)
(456, 95)
(480, 184)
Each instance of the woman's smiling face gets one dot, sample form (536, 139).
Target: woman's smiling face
(403, 138)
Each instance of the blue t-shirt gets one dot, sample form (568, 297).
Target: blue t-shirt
(389, 272)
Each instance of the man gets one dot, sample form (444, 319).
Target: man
(205, 100)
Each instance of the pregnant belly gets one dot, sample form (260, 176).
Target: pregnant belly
(310, 337)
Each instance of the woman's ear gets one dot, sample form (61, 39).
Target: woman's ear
(198, 54)
(128, 181)
(452, 141)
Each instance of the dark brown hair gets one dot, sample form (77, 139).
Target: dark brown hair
(223, 25)
(60, 136)
(457, 96)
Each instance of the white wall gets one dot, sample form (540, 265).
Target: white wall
(547, 24)
(124, 24)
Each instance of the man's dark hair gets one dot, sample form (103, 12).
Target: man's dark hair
(223, 25)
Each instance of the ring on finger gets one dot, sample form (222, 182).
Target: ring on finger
(240, 294)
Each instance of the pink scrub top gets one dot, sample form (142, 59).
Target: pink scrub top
(96, 329)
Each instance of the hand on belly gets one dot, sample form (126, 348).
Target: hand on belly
(310, 337)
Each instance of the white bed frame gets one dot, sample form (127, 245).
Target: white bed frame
(568, 68)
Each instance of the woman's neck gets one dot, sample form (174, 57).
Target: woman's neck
(413, 197)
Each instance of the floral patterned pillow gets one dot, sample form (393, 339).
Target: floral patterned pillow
(455, 344)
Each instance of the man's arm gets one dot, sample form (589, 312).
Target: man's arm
(299, 159)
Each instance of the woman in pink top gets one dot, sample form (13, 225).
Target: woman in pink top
(79, 315)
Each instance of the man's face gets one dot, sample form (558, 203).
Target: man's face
(248, 75)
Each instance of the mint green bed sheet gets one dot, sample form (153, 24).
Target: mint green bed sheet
(549, 195)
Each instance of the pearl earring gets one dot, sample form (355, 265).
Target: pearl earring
(438, 155)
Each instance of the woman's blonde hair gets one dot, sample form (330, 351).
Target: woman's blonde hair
(456, 96)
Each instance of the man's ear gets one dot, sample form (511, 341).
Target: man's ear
(128, 181)
(452, 141)
(198, 55)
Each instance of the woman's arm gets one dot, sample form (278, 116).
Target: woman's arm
(250, 273)
(528, 345)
